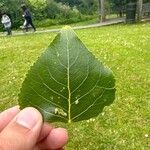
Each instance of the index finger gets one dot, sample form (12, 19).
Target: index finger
(7, 115)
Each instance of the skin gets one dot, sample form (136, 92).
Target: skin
(25, 130)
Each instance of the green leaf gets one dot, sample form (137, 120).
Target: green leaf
(67, 83)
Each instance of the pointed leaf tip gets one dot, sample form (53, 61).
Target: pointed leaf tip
(66, 28)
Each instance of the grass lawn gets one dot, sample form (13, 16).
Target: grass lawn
(126, 50)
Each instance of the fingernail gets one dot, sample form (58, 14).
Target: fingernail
(27, 118)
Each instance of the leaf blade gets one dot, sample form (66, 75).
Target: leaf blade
(67, 82)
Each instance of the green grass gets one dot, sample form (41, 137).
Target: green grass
(94, 20)
(91, 20)
(87, 22)
(126, 50)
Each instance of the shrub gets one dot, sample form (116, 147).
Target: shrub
(46, 22)
(45, 13)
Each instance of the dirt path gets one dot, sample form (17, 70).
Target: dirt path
(108, 22)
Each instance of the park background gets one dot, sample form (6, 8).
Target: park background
(48, 13)
(124, 48)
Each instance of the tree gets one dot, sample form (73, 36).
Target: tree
(118, 6)
(139, 12)
(70, 2)
(84, 6)
(88, 7)
(12, 8)
(102, 15)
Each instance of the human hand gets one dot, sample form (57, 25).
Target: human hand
(25, 130)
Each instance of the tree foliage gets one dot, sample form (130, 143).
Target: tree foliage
(66, 11)
(12, 8)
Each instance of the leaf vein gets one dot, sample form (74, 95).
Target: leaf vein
(88, 107)
(90, 89)
(75, 60)
(92, 103)
(47, 111)
(51, 88)
(82, 81)
(47, 100)
(68, 81)
(59, 60)
(54, 78)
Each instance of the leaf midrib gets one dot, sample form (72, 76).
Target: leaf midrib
(68, 81)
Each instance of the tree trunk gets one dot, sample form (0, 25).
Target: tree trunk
(120, 13)
(102, 15)
(99, 9)
(139, 12)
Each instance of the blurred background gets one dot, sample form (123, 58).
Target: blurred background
(55, 12)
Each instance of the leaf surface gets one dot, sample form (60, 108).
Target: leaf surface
(67, 83)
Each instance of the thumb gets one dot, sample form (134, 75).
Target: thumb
(23, 131)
